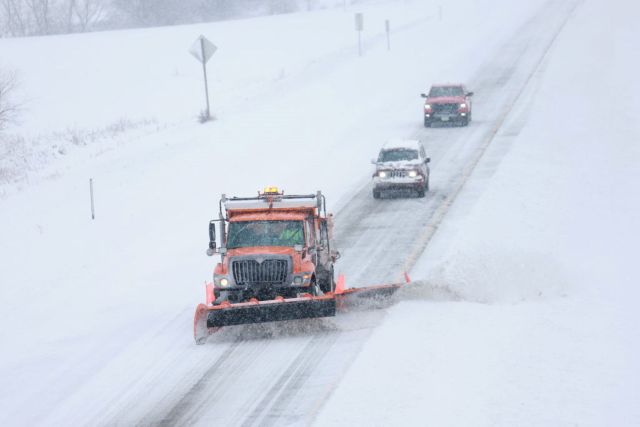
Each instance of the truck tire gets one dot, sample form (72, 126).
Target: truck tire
(327, 284)
(376, 194)
(314, 289)
(427, 123)
(421, 192)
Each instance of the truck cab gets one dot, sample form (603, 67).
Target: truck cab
(273, 245)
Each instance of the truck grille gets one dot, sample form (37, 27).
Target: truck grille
(445, 108)
(250, 271)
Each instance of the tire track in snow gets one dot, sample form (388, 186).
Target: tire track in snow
(281, 394)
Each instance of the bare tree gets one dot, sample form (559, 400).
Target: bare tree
(41, 13)
(87, 12)
(71, 4)
(8, 106)
(13, 14)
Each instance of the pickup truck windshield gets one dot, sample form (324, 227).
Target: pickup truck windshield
(397, 155)
(446, 91)
(246, 234)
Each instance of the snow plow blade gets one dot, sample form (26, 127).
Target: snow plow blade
(209, 318)
(356, 296)
(271, 311)
(380, 291)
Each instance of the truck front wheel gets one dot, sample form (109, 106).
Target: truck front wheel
(314, 289)
(328, 283)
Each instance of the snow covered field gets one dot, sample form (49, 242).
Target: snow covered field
(535, 257)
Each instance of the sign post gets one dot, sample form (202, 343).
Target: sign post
(359, 28)
(202, 49)
(387, 27)
(93, 209)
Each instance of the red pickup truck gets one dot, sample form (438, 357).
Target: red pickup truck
(447, 103)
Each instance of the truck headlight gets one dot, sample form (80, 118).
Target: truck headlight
(463, 105)
(427, 106)
(221, 281)
(413, 174)
(301, 279)
(382, 174)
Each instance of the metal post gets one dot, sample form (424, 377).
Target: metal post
(93, 210)
(204, 70)
(387, 27)
(359, 43)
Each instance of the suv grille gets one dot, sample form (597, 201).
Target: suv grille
(397, 173)
(267, 272)
(445, 108)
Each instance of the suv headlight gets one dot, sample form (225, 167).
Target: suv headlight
(413, 174)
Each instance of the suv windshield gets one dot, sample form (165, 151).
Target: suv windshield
(398, 154)
(446, 91)
(265, 233)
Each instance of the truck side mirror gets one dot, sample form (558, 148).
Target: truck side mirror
(428, 160)
(212, 236)
(423, 95)
(469, 94)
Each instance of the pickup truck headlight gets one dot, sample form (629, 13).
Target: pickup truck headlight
(382, 174)
(413, 174)
(427, 106)
(463, 105)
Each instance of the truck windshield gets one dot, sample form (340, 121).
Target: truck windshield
(246, 234)
(397, 155)
(446, 91)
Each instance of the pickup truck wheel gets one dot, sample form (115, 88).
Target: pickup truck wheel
(376, 194)
(421, 192)
(427, 123)
(426, 185)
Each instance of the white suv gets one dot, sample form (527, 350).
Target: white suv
(401, 165)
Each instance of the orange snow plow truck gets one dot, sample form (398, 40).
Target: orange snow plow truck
(276, 263)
